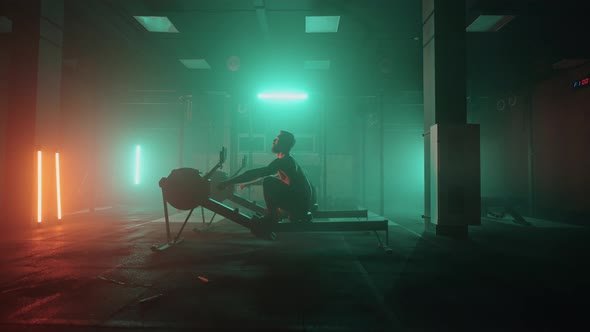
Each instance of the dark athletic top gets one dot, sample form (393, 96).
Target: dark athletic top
(289, 171)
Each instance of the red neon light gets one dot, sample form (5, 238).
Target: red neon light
(585, 81)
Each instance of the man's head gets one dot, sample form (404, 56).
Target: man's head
(283, 143)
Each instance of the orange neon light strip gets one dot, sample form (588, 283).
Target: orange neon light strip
(57, 185)
(39, 186)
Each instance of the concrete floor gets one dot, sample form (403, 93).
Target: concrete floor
(91, 272)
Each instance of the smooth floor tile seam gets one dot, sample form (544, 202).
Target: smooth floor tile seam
(393, 319)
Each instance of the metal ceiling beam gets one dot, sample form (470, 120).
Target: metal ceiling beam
(260, 7)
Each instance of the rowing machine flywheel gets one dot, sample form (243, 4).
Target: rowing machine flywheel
(185, 189)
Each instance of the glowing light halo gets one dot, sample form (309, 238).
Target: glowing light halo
(137, 161)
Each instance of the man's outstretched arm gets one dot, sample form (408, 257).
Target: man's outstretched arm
(248, 176)
(252, 183)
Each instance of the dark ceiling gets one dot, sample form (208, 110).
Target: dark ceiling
(378, 44)
(374, 39)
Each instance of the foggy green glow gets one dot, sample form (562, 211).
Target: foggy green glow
(316, 64)
(156, 23)
(137, 161)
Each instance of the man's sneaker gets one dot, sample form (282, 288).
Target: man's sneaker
(261, 227)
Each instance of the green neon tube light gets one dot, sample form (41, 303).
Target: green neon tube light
(137, 160)
(282, 96)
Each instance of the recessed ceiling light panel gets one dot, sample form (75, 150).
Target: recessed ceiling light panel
(156, 23)
(321, 24)
(282, 95)
(489, 23)
(195, 63)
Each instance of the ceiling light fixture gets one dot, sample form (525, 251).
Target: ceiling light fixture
(195, 63)
(489, 23)
(321, 24)
(156, 24)
(282, 95)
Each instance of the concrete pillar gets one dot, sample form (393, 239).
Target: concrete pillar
(33, 109)
(444, 71)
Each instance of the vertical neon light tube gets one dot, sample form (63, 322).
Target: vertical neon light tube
(137, 158)
(57, 186)
(39, 186)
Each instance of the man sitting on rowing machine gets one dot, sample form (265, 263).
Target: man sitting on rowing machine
(289, 190)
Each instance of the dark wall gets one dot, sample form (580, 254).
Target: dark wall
(561, 134)
(534, 128)
(504, 137)
(499, 79)
(81, 116)
(4, 64)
